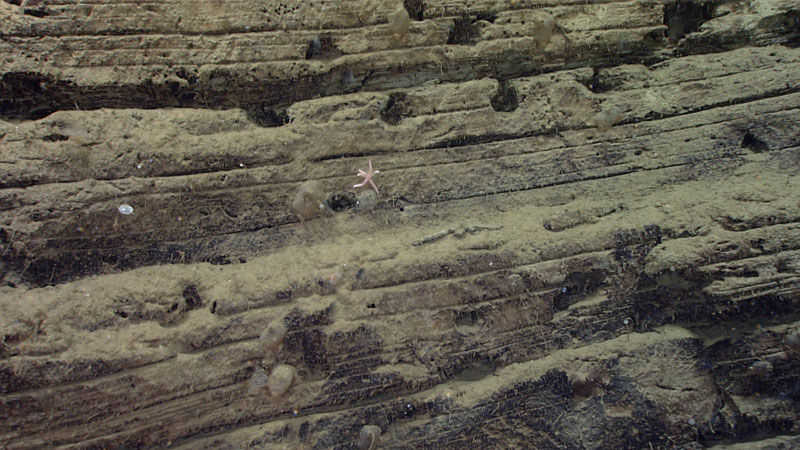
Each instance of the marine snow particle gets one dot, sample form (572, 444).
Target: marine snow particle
(792, 339)
(349, 79)
(309, 202)
(369, 437)
(125, 209)
(314, 47)
(366, 201)
(543, 31)
(257, 381)
(760, 368)
(606, 118)
(280, 379)
(399, 22)
(273, 337)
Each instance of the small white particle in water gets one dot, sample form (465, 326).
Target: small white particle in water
(125, 209)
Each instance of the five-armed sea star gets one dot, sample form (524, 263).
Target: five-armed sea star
(368, 177)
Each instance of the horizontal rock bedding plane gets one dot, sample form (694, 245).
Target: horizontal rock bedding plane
(400, 224)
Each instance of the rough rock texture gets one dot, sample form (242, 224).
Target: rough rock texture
(587, 231)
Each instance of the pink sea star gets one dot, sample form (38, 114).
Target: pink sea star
(368, 177)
